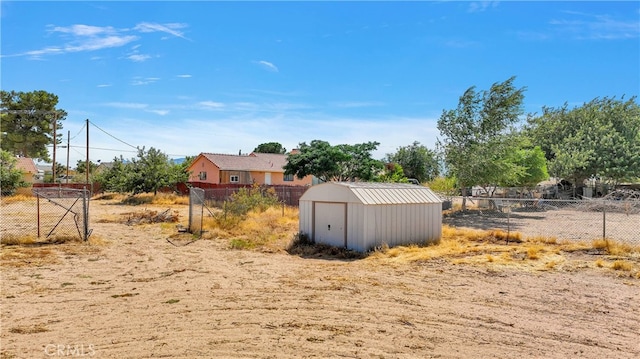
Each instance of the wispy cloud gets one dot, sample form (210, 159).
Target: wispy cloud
(585, 26)
(185, 76)
(139, 81)
(138, 57)
(159, 112)
(84, 30)
(104, 85)
(211, 104)
(171, 28)
(84, 38)
(480, 6)
(267, 66)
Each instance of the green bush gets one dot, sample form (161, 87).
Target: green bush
(244, 201)
(255, 198)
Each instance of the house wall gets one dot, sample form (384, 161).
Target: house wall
(29, 178)
(244, 177)
(277, 178)
(216, 176)
(204, 165)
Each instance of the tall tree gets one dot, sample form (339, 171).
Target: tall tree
(417, 161)
(334, 163)
(534, 165)
(27, 122)
(270, 147)
(392, 172)
(360, 166)
(599, 139)
(150, 171)
(81, 166)
(476, 138)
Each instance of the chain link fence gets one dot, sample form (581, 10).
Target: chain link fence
(54, 214)
(289, 195)
(586, 219)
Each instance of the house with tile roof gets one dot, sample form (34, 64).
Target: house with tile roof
(28, 168)
(260, 168)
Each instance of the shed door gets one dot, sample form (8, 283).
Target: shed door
(330, 223)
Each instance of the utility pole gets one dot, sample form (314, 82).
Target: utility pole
(88, 167)
(55, 139)
(68, 140)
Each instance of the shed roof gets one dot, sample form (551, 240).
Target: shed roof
(375, 193)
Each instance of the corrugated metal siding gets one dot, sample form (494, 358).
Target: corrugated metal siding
(396, 195)
(400, 225)
(355, 220)
(377, 213)
(371, 193)
(306, 218)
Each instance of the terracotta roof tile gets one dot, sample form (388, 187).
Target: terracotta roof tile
(259, 162)
(27, 165)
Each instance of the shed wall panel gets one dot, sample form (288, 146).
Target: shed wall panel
(305, 218)
(330, 223)
(402, 215)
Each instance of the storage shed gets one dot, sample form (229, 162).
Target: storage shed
(362, 215)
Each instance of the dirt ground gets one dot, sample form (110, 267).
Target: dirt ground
(132, 294)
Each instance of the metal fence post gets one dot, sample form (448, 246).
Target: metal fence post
(38, 215)
(604, 222)
(85, 211)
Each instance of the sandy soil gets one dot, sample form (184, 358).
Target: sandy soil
(132, 294)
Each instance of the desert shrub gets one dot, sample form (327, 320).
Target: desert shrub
(17, 198)
(157, 199)
(255, 198)
(234, 211)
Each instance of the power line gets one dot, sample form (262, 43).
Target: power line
(112, 136)
(79, 132)
(95, 148)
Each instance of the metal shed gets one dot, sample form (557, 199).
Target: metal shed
(362, 215)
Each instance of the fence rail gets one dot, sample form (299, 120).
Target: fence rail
(563, 219)
(289, 195)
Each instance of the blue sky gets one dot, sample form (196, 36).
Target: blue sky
(223, 77)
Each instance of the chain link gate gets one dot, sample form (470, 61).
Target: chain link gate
(62, 212)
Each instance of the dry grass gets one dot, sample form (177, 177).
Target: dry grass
(29, 251)
(161, 199)
(468, 246)
(18, 256)
(17, 198)
(268, 230)
(615, 248)
(622, 266)
(10, 239)
(37, 328)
